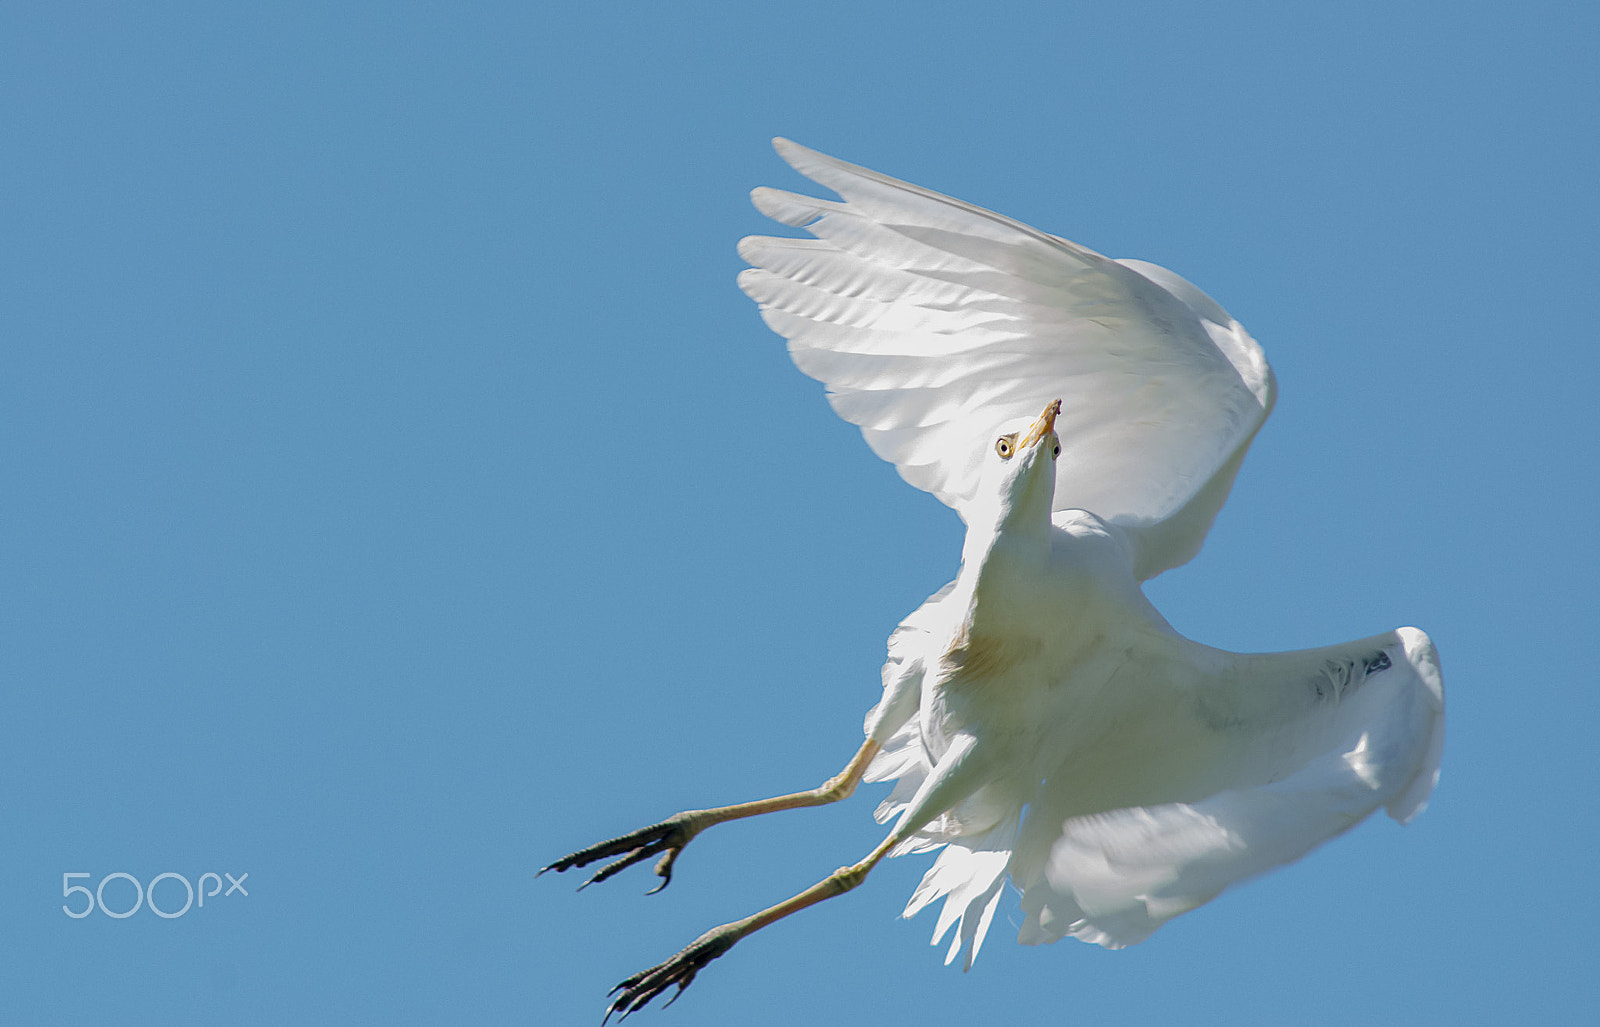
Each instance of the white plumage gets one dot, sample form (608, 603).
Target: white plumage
(1117, 772)
(1041, 721)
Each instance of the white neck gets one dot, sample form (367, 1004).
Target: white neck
(1007, 548)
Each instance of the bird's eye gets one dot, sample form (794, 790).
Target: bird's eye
(1003, 447)
(1056, 451)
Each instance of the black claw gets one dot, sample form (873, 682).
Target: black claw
(612, 869)
(664, 868)
(669, 836)
(638, 990)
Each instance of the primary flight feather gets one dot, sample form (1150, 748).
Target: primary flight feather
(1042, 723)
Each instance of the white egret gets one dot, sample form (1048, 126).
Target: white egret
(1042, 722)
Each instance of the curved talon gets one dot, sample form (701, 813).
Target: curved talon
(612, 869)
(669, 837)
(664, 867)
(638, 990)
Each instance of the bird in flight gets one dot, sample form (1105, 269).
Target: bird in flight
(1042, 723)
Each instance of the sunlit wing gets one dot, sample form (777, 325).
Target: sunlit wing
(1260, 758)
(932, 321)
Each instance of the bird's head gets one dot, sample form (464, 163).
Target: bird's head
(1019, 475)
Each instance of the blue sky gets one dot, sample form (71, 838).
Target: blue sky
(399, 493)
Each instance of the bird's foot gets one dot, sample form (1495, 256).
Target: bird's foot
(668, 837)
(639, 989)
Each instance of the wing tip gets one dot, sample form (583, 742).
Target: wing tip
(1409, 802)
(793, 209)
(1422, 655)
(747, 249)
(825, 170)
(792, 152)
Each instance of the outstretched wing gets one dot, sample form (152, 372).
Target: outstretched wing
(932, 321)
(1244, 764)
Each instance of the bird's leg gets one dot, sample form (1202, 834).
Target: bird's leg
(672, 834)
(638, 990)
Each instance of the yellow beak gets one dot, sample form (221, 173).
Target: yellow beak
(1043, 426)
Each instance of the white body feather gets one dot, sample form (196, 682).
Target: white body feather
(1043, 723)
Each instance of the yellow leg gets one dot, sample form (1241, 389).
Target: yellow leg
(639, 989)
(672, 834)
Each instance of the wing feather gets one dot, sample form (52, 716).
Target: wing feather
(1254, 761)
(932, 321)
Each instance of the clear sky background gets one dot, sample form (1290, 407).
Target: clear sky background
(398, 493)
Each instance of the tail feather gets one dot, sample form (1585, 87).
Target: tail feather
(969, 875)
